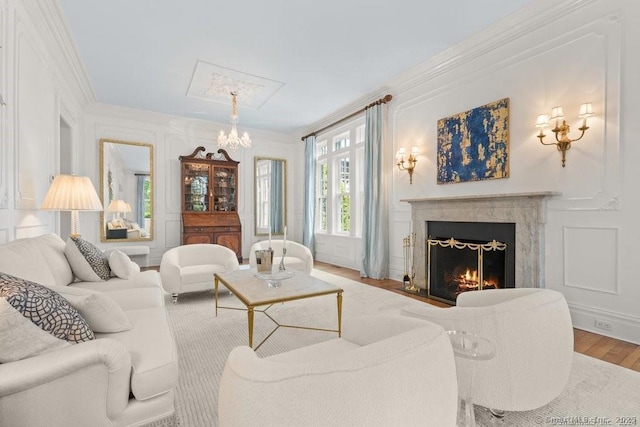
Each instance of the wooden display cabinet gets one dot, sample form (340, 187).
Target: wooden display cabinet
(210, 200)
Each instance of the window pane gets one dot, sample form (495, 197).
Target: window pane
(360, 134)
(344, 175)
(321, 148)
(322, 214)
(344, 202)
(341, 141)
(147, 197)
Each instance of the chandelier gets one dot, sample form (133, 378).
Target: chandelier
(233, 141)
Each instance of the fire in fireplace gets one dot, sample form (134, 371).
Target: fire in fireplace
(463, 256)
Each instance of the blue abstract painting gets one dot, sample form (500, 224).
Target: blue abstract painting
(474, 145)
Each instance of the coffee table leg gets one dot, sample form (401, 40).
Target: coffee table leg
(215, 292)
(250, 319)
(339, 314)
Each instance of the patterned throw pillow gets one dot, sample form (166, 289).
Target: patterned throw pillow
(45, 308)
(26, 339)
(88, 262)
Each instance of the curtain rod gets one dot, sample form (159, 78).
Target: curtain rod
(383, 100)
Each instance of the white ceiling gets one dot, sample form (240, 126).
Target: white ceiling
(143, 53)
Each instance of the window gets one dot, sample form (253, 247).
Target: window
(322, 190)
(339, 183)
(263, 189)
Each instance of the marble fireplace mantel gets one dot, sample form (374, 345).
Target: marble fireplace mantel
(527, 210)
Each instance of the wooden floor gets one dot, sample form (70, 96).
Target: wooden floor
(600, 347)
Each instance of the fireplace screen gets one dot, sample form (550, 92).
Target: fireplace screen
(456, 266)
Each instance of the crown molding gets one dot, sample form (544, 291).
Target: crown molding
(178, 124)
(507, 30)
(343, 112)
(50, 21)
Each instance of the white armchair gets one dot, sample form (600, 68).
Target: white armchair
(385, 370)
(190, 268)
(298, 256)
(533, 335)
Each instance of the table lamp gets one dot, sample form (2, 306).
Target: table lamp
(72, 193)
(116, 206)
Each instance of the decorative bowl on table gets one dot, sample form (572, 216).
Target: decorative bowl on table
(274, 279)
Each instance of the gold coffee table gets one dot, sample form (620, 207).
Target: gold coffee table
(254, 292)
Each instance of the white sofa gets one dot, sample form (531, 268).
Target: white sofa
(386, 370)
(190, 268)
(298, 256)
(532, 332)
(119, 379)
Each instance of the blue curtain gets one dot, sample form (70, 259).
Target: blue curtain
(140, 200)
(308, 234)
(375, 222)
(276, 214)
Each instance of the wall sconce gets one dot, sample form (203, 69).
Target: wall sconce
(562, 130)
(410, 162)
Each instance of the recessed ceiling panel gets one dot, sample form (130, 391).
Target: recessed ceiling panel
(215, 83)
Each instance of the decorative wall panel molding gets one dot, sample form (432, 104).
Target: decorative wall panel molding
(4, 131)
(34, 123)
(591, 258)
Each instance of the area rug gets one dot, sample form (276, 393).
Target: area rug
(598, 392)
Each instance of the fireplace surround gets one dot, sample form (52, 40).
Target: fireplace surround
(527, 211)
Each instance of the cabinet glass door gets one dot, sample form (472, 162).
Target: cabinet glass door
(196, 187)
(224, 189)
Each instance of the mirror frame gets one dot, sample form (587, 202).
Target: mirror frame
(104, 187)
(256, 159)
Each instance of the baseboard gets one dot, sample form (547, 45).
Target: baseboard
(614, 325)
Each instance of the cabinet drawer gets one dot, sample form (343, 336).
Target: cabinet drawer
(199, 229)
(190, 239)
(210, 229)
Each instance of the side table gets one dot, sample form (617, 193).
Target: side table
(468, 349)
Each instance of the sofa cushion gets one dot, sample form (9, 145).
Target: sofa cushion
(200, 273)
(154, 359)
(121, 264)
(137, 298)
(315, 353)
(26, 339)
(87, 261)
(45, 308)
(21, 258)
(144, 279)
(52, 248)
(100, 311)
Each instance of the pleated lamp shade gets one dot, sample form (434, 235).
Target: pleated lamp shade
(72, 193)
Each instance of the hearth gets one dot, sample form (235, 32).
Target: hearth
(468, 256)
